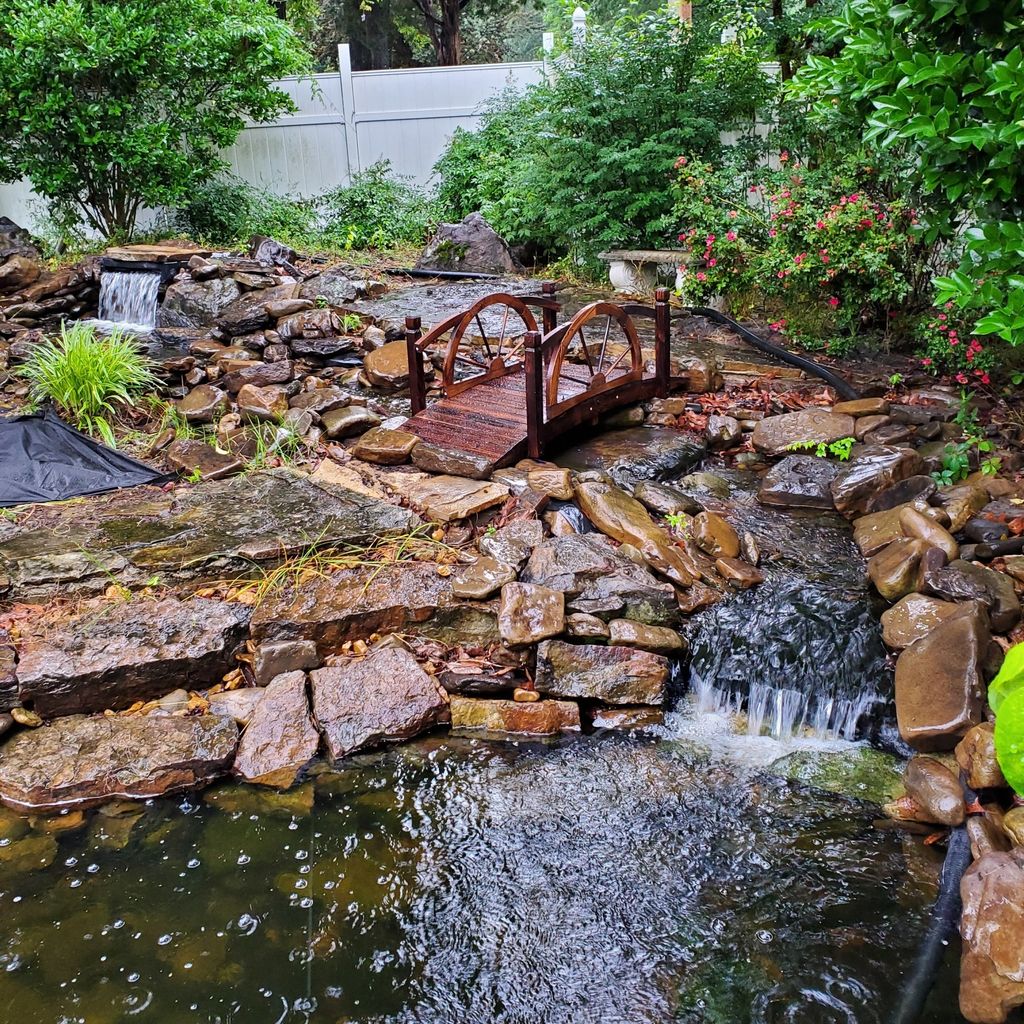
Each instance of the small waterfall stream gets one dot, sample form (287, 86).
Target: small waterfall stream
(129, 298)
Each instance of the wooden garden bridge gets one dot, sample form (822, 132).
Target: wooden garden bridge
(510, 391)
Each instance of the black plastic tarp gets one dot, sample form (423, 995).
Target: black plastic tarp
(43, 459)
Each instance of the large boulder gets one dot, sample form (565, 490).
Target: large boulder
(386, 696)
(15, 241)
(615, 675)
(249, 313)
(17, 272)
(992, 929)
(471, 245)
(111, 655)
(280, 739)
(914, 617)
(940, 684)
(529, 613)
(640, 453)
(541, 718)
(334, 287)
(80, 761)
(799, 481)
(871, 470)
(776, 435)
(189, 303)
(962, 580)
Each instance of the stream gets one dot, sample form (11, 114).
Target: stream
(679, 875)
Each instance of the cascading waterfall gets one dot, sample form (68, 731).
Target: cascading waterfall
(797, 656)
(129, 298)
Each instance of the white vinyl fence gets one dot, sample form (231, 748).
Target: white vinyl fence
(345, 122)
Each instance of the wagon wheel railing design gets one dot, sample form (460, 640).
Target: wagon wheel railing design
(586, 357)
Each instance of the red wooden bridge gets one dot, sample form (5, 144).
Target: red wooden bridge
(511, 386)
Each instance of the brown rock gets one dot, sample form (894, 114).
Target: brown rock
(203, 404)
(659, 639)
(869, 471)
(259, 374)
(349, 421)
(863, 407)
(776, 435)
(385, 447)
(269, 404)
(530, 613)
(280, 308)
(272, 660)
(627, 718)
(918, 526)
(433, 458)
(385, 696)
(799, 481)
(866, 424)
(739, 574)
(976, 755)
(280, 739)
(197, 457)
(513, 544)
(939, 683)
(913, 617)
(320, 400)
(481, 579)
(1013, 825)
(986, 837)
(961, 502)
(388, 366)
(615, 675)
(540, 718)
(447, 498)
(893, 570)
(936, 790)
(79, 761)
(586, 627)
(914, 489)
(962, 580)
(552, 481)
(711, 533)
(992, 928)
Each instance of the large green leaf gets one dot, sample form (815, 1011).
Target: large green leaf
(1010, 678)
(1010, 738)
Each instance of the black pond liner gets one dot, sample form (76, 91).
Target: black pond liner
(44, 459)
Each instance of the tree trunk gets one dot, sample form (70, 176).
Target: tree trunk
(444, 26)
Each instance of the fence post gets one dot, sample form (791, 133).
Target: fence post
(417, 383)
(662, 341)
(534, 360)
(548, 42)
(579, 27)
(348, 110)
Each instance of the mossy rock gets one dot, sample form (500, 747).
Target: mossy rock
(860, 773)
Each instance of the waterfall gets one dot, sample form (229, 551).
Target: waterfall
(129, 298)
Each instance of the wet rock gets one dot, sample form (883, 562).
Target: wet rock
(80, 761)
(203, 404)
(349, 421)
(33, 853)
(530, 613)
(513, 544)
(976, 755)
(112, 655)
(538, 718)
(272, 660)
(8, 677)
(918, 526)
(433, 458)
(615, 675)
(961, 503)
(385, 696)
(197, 458)
(967, 581)
(986, 837)
(889, 434)
(711, 533)
(940, 685)
(259, 374)
(870, 471)
(866, 424)
(700, 485)
(1013, 825)
(992, 929)
(280, 739)
(249, 312)
(624, 519)
(238, 705)
(476, 684)
(737, 573)
(913, 489)
(322, 348)
(471, 245)
(582, 626)
(388, 366)
(17, 272)
(321, 400)
(332, 286)
(385, 447)
(863, 407)
(521, 695)
(875, 530)
(598, 579)
(551, 481)
(776, 435)
(936, 791)
(893, 570)
(352, 604)
(282, 308)
(799, 481)
(666, 501)
(722, 431)
(189, 303)
(481, 579)
(857, 772)
(914, 617)
(448, 498)
(626, 719)
(643, 453)
(661, 640)
(262, 404)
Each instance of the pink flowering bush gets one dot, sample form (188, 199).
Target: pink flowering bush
(947, 346)
(828, 246)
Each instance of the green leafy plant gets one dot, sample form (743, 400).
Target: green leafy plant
(351, 322)
(959, 456)
(1006, 696)
(895, 380)
(87, 376)
(677, 521)
(841, 448)
(107, 107)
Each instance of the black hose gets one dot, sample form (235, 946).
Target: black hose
(843, 389)
(945, 918)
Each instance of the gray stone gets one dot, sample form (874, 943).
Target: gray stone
(776, 435)
(272, 660)
(471, 245)
(799, 481)
(189, 303)
(615, 675)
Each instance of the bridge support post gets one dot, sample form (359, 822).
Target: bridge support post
(550, 317)
(417, 382)
(662, 341)
(534, 365)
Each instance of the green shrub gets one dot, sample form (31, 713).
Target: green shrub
(378, 210)
(583, 162)
(87, 376)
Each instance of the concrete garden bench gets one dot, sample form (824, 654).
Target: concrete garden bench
(640, 270)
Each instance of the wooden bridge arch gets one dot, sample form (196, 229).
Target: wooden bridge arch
(512, 395)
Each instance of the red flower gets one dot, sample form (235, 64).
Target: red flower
(926, 361)
(833, 301)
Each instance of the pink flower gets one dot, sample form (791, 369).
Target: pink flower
(854, 197)
(926, 361)
(730, 236)
(820, 224)
(710, 239)
(833, 301)
(773, 233)
(733, 214)
(701, 276)
(942, 316)
(961, 378)
(712, 263)
(984, 377)
(784, 156)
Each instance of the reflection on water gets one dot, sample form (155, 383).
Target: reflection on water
(608, 879)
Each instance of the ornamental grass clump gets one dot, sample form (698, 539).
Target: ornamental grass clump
(87, 376)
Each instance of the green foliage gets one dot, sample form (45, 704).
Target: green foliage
(582, 162)
(1009, 679)
(841, 449)
(959, 456)
(946, 346)
(1006, 695)
(106, 107)
(378, 210)
(87, 376)
(944, 82)
(229, 211)
(829, 243)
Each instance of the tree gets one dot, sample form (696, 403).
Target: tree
(109, 107)
(943, 80)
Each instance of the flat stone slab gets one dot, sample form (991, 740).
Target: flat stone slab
(447, 498)
(214, 529)
(80, 761)
(640, 453)
(540, 718)
(111, 654)
(614, 675)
